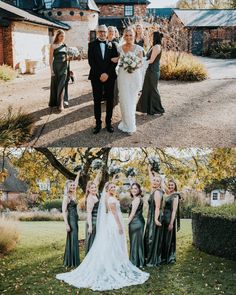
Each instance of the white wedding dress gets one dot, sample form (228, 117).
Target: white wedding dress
(129, 86)
(107, 265)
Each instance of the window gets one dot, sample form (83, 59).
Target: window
(215, 196)
(48, 4)
(222, 196)
(129, 10)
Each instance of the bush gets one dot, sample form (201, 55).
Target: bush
(181, 66)
(15, 129)
(9, 235)
(38, 216)
(124, 204)
(7, 73)
(16, 204)
(214, 230)
(189, 201)
(221, 50)
(48, 205)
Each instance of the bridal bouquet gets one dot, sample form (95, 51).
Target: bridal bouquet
(130, 172)
(130, 62)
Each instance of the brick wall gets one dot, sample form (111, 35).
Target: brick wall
(118, 10)
(1, 46)
(7, 45)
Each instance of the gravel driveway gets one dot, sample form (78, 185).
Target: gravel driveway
(197, 114)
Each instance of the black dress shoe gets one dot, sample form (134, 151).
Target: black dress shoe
(110, 129)
(97, 129)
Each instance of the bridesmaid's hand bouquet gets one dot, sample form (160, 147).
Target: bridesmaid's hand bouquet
(114, 169)
(130, 172)
(73, 53)
(97, 164)
(154, 163)
(130, 62)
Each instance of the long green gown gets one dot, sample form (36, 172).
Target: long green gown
(71, 256)
(90, 237)
(59, 82)
(169, 237)
(150, 100)
(153, 233)
(136, 232)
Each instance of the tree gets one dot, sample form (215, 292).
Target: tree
(203, 4)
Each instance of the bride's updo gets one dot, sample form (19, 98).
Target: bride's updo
(129, 30)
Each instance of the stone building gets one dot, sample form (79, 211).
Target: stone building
(196, 30)
(118, 13)
(80, 15)
(24, 36)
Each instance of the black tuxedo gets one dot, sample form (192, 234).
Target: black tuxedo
(99, 66)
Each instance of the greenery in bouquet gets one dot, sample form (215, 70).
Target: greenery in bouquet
(114, 169)
(130, 172)
(155, 164)
(97, 164)
(78, 168)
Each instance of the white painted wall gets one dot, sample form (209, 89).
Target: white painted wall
(78, 35)
(30, 42)
(228, 198)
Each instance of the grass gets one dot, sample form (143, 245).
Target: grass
(9, 235)
(7, 73)
(31, 269)
(15, 128)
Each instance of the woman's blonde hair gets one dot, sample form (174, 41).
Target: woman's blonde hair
(141, 26)
(129, 29)
(67, 186)
(58, 33)
(88, 186)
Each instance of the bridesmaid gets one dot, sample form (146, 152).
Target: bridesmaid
(140, 38)
(171, 216)
(136, 224)
(70, 215)
(150, 100)
(153, 232)
(58, 61)
(92, 203)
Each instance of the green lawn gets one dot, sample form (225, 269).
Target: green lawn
(31, 269)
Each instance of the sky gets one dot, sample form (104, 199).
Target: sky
(162, 3)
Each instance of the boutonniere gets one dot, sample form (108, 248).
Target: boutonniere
(109, 45)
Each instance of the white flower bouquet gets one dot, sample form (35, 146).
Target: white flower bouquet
(130, 62)
(97, 164)
(73, 52)
(114, 169)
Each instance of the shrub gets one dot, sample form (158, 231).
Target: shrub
(48, 205)
(125, 203)
(15, 129)
(16, 204)
(214, 230)
(7, 73)
(39, 216)
(189, 201)
(221, 50)
(181, 66)
(9, 235)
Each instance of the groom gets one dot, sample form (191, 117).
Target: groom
(102, 75)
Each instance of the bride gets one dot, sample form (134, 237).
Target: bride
(107, 265)
(129, 84)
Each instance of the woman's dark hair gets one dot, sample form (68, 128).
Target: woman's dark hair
(172, 180)
(140, 193)
(157, 38)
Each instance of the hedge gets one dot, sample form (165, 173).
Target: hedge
(48, 205)
(214, 230)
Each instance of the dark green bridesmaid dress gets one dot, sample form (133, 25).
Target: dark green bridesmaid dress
(169, 237)
(71, 256)
(90, 237)
(136, 233)
(150, 100)
(153, 233)
(59, 82)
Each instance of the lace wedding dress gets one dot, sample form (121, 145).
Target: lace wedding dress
(107, 265)
(129, 86)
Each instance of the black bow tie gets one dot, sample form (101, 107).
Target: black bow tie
(104, 42)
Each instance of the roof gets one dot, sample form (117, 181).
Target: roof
(116, 21)
(161, 12)
(122, 2)
(12, 183)
(8, 11)
(207, 17)
(90, 4)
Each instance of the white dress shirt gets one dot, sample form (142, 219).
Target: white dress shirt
(103, 47)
